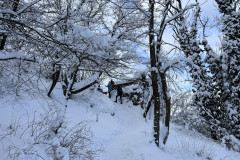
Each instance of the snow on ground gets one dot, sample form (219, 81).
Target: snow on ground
(119, 129)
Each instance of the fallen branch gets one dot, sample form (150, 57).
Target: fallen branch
(88, 85)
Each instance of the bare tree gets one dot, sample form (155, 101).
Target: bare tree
(158, 20)
(153, 60)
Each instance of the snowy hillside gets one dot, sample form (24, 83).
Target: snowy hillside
(119, 130)
(181, 91)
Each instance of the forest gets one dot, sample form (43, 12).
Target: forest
(57, 58)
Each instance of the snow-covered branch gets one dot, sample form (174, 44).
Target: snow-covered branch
(85, 84)
(176, 61)
(4, 56)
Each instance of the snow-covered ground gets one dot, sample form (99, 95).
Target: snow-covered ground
(119, 130)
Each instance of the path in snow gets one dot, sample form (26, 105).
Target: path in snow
(127, 136)
(124, 136)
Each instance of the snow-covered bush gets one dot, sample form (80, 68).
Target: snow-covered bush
(182, 111)
(138, 92)
(231, 142)
(36, 140)
(134, 93)
(191, 148)
(13, 78)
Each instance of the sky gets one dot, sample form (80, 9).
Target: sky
(210, 10)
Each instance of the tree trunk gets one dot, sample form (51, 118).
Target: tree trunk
(68, 87)
(4, 36)
(3, 41)
(54, 82)
(154, 74)
(149, 104)
(163, 82)
(167, 101)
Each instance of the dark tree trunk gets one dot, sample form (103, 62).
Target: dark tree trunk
(4, 36)
(149, 104)
(3, 41)
(15, 5)
(154, 74)
(163, 81)
(167, 101)
(54, 82)
(65, 87)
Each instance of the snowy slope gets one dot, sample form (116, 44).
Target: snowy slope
(119, 130)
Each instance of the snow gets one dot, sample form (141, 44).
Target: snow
(27, 6)
(8, 11)
(88, 81)
(154, 69)
(8, 55)
(119, 130)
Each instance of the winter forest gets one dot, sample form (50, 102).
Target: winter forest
(119, 80)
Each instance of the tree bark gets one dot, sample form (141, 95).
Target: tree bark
(154, 74)
(4, 36)
(67, 90)
(3, 41)
(54, 82)
(148, 107)
(167, 101)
